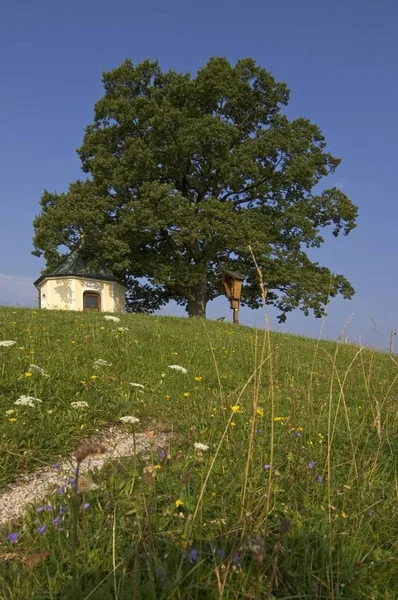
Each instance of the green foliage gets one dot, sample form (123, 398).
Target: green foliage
(185, 173)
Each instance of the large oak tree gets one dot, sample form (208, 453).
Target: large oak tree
(185, 173)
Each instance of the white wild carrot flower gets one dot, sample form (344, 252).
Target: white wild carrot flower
(79, 404)
(101, 363)
(129, 419)
(137, 385)
(27, 401)
(178, 368)
(112, 318)
(123, 329)
(200, 446)
(7, 343)
(38, 370)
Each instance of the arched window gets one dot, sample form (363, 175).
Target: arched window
(91, 301)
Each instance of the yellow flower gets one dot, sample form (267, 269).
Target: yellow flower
(94, 377)
(157, 466)
(198, 378)
(82, 426)
(260, 412)
(31, 351)
(175, 353)
(83, 382)
(28, 374)
(236, 409)
(233, 424)
(179, 503)
(186, 394)
(343, 515)
(73, 342)
(167, 397)
(13, 420)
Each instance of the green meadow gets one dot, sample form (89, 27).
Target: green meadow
(292, 492)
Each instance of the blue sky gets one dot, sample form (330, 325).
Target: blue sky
(338, 58)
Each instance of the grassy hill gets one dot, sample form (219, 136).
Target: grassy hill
(296, 496)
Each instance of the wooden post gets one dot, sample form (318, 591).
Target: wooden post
(392, 341)
(236, 316)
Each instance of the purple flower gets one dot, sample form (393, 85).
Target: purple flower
(48, 507)
(63, 510)
(60, 490)
(371, 513)
(297, 433)
(162, 453)
(235, 559)
(85, 506)
(311, 464)
(319, 478)
(42, 529)
(221, 553)
(259, 430)
(57, 521)
(267, 467)
(72, 482)
(39, 509)
(12, 537)
(56, 466)
(74, 471)
(193, 555)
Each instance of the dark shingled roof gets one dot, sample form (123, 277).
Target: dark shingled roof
(74, 265)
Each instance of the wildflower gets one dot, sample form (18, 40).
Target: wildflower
(38, 370)
(27, 401)
(193, 555)
(73, 342)
(101, 363)
(343, 515)
(235, 559)
(186, 394)
(175, 353)
(85, 506)
(57, 520)
(56, 466)
(260, 412)
(12, 537)
(178, 368)
(137, 385)
(27, 374)
(149, 474)
(112, 318)
(371, 513)
(60, 490)
(267, 467)
(39, 509)
(41, 530)
(297, 433)
(79, 404)
(129, 419)
(236, 409)
(94, 377)
(311, 464)
(179, 503)
(319, 478)
(162, 453)
(63, 510)
(198, 378)
(12, 420)
(83, 382)
(255, 544)
(233, 424)
(167, 397)
(200, 446)
(89, 451)
(48, 508)
(7, 343)
(122, 329)
(11, 411)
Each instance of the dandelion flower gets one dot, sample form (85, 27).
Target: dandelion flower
(27, 401)
(94, 377)
(198, 378)
(129, 419)
(7, 343)
(79, 404)
(186, 394)
(233, 424)
(200, 446)
(27, 374)
(112, 318)
(12, 420)
(178, 368)
(167, 397)
(260, 412)
(236, 409)
(137, 385)
(101, 363)
(179, 503)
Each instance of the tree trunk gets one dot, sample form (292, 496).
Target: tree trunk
(196, 306)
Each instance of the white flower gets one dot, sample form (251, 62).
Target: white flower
(36, 369)
(27, 401)
(101, 363)
(7, 343)
(178, 368)
(163, 375)
(10, 412)
(137, 385)
(111, 318)
(123, 329)
(199, 446)
(79, 404)
(129, 419)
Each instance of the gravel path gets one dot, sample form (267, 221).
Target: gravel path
(34, 487)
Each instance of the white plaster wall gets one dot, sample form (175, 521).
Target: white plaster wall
(67, 294)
